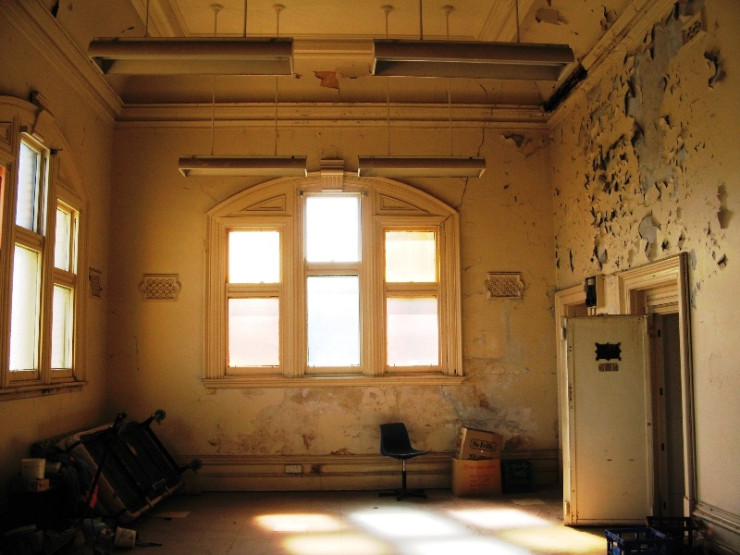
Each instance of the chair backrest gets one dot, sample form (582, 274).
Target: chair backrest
(394, 438)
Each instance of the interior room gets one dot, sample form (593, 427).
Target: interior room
(287, 224)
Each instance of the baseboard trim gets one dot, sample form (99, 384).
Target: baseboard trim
(338, 472)
(721, 530)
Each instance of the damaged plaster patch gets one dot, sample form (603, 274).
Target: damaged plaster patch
(517, 139)
(328, 79)
(608, 19)
(600, 255)
(549, 15)
(649, 233)
(645, 98)
(723, 215)
(715, 67)
(526, 146)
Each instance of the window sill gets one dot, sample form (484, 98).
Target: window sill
(38, 390)
(330, 381)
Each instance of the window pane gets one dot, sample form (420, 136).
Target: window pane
(254, 257)
(62, 328)
(254, 332)
(24, 317)
(29, 179)
(410, 256)
(412, 330)
(63, 240)
(333, 229)
(333, 321)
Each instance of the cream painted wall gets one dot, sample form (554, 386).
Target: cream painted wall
(157, 346)
(645, 166)
(89, 135)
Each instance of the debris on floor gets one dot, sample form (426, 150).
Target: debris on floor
(76, 492)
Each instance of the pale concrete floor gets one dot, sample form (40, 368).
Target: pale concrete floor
(358, 523)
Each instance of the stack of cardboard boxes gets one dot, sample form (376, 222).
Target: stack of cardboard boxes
(476, 467)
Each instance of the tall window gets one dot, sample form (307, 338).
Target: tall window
(30, 211)
(253, 298)
(357, 283)
(332, 265)
(411, 293)
(39, 282)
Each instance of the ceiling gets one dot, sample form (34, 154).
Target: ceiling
(333, 44)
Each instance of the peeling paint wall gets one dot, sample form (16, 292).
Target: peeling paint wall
(646, 167)
(156, 347)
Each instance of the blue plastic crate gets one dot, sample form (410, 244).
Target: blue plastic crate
(645, 541)
(678, 530)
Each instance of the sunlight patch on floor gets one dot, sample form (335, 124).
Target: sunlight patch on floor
(465, 544)
(497, 518)
(406, 523)
(555, 539)
(336, 544)
(299, 522)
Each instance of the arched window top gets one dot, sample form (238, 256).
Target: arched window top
(391, 198)
(19, 117)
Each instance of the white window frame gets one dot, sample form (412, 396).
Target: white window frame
(385, 204)
(27, 123)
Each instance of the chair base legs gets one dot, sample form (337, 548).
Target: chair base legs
(403, 492)
(400, 494)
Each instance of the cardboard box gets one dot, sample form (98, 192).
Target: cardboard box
(476, 478)
(478, 444)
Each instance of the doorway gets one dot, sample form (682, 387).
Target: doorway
(659, 289)
(668, 416)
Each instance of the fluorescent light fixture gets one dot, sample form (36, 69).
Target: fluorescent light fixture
(403, 166)
(472, 60)
(179, 56)
(236, 166)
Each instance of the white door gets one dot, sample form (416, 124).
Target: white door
(607, 455)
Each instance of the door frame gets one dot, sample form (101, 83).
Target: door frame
(663, 288)
(660, 287)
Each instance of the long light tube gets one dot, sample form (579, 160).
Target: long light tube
(179, 56)
(408, 166)
(235, 166)
(471, 60)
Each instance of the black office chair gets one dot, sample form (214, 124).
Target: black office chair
(394, 442)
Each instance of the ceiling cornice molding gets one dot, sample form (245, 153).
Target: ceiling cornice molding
(624, 37)
(335, 114)
(37, 24)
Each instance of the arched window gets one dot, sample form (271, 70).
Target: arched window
(312, 286)
(41, 253)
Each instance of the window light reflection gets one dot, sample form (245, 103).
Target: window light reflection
(497, 519)
(299, 522)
